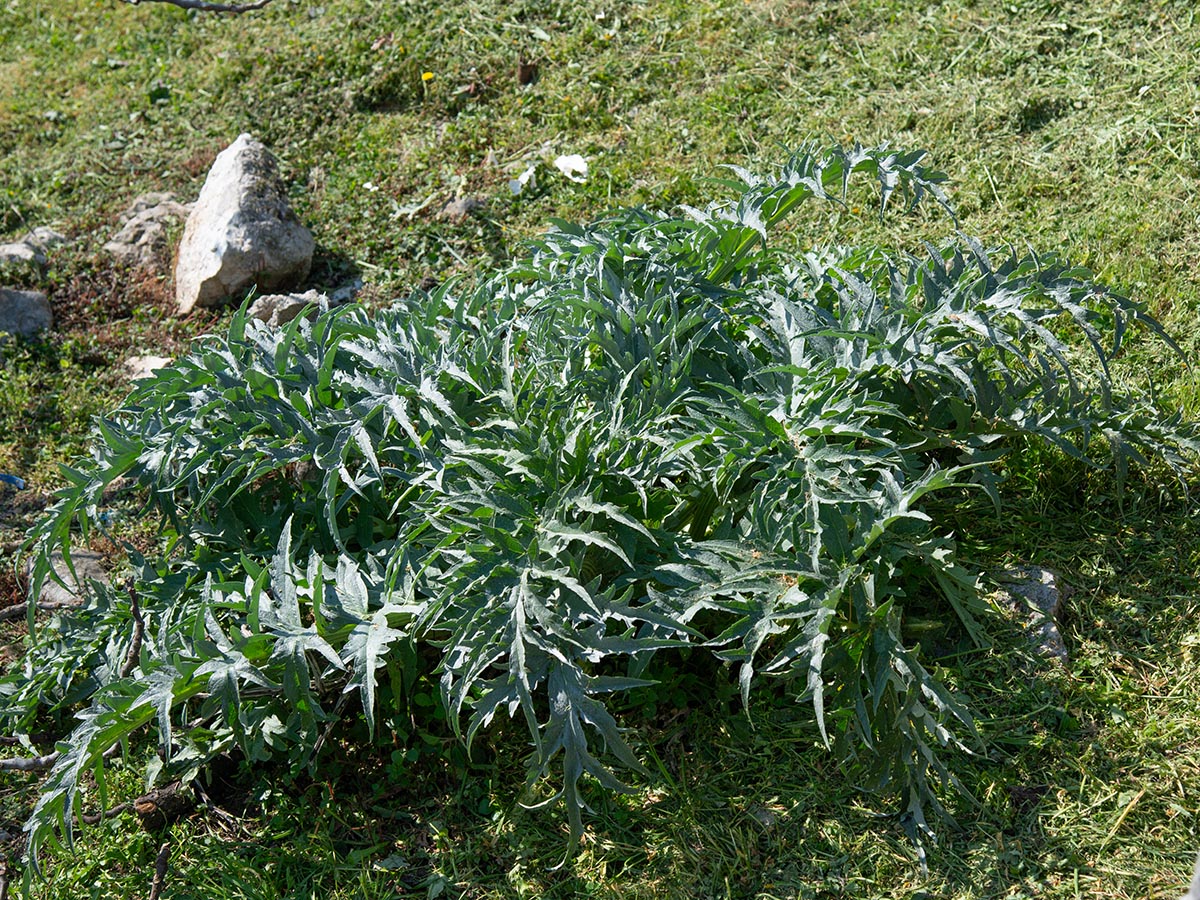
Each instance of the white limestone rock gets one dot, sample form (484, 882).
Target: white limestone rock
(242, 232)
(24, 312)
(279, 309)
(32, 249)
(19, 253)
(87, 568)
(144, 366)
(142, 237)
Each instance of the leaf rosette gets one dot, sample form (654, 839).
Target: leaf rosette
(652, 433)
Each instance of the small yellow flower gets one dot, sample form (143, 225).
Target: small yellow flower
(427, 76)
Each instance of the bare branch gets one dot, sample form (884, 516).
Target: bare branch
(42, 763)
(29, 763)
(139, 628)
(95, 818)
(36, 737)
(160, 871)
(18, 610)
(205, 6)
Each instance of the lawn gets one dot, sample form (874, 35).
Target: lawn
(1067, 126)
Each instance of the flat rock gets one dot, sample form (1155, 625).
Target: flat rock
(142, 237)
(19, 253)
(45, 238)
(87, 568)
(241, 233)
(32, 249)
(145, 366)
(279, 309)
(24, 312)
(1036, 595)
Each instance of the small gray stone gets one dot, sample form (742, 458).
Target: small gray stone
(31, 250)
(142, 238)
(24, 312)
(346, 293)
(1035, 594)
(458, 211)
(279, 309)
(20, 253)
(87, 568)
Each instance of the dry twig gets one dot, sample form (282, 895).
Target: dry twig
(29, 763)
(95, 818)
(19, 610)
(139, 630)
(160, 871)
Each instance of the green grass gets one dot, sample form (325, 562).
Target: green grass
(1070, 125)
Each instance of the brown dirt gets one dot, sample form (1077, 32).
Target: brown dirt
(199, 162)
(106, 294)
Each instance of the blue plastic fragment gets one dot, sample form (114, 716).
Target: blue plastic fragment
(18, 483)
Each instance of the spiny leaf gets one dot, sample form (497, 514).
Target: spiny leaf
(366, 651)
